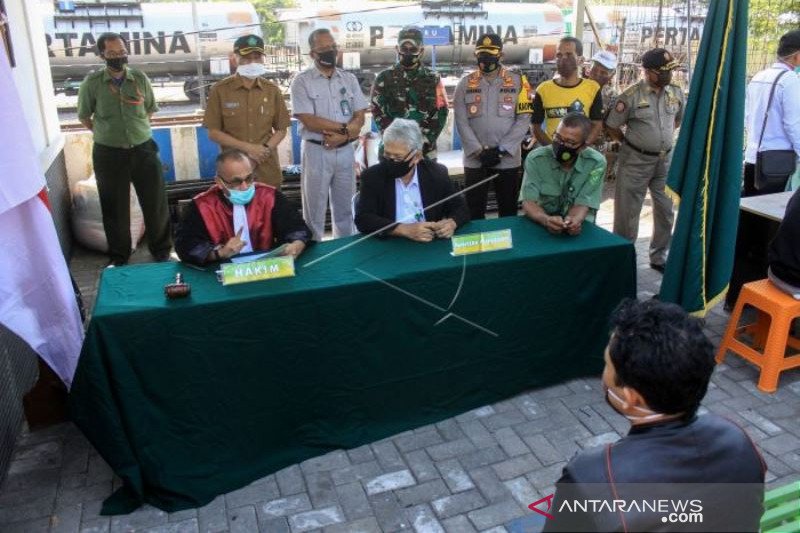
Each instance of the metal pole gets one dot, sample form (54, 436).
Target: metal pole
(580, 7)
(597, 36)
(620, 52)
(688, 41)
(658, 23)
(201, 88)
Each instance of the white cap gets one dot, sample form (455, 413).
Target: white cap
(605, 58)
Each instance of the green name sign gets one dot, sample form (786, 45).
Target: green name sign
(478, 243)
(276, 267)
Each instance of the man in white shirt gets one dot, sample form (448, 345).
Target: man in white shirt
(782, 131)
(397, 195)
(330, 106)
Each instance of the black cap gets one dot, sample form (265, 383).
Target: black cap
(489, 43)
(410, 34)
(659, 59)
(247, 44)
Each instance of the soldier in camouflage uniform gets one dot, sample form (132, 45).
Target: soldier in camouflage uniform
(604, 65)
(412, 91)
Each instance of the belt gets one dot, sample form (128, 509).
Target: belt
(125, 147)
(314, 141)
(661, 154)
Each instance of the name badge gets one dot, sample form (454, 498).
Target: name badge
(276, 267)
(230, 105)
(346, 110)
(478, 243)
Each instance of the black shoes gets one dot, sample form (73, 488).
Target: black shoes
(116, 263)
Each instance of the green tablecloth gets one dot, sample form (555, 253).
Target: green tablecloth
(187, 399)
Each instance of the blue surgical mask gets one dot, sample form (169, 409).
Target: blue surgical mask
(797, 69)
(244, 197)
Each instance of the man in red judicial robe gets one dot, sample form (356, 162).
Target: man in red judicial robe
(236, 215)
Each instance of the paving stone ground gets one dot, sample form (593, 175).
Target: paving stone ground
(475, 472)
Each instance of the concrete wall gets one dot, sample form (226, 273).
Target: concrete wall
(188, 154)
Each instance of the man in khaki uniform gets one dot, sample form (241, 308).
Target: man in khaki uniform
(651, 111)
(247, 112)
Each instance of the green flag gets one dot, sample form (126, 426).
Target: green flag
(705, 174)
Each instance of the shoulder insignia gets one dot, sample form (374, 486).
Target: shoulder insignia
(620, 107)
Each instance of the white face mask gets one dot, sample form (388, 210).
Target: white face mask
(252, 70)
(652, 414)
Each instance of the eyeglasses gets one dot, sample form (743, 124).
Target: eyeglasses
(237, 182)
(397, 159)
(568, 144)
(114, 55)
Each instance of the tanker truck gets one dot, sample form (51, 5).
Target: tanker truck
(161, 37)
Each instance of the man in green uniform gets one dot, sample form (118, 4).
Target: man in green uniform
(651, 111)
(411, 90)
(563, 181)
(247, 112)
(115, 104)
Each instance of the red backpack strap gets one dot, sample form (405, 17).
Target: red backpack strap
(613, 484)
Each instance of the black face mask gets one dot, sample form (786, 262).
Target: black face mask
(395, 169)
(664, 78)
(116, 63)
(488, 63)
(564, 153)
(409, 60)
(327, 59)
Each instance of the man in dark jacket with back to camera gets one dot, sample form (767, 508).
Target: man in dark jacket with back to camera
(675, 470)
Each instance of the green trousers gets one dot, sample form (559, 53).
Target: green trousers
(115, 169)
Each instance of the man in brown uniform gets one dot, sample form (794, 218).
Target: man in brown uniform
(247, 112)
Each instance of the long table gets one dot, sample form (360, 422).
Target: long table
(188, 399)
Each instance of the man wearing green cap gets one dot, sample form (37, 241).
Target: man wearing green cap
(248, 113)
(651, 111)
(563, 181)
(411, 90)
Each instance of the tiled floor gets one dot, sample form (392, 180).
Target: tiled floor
(475, 472)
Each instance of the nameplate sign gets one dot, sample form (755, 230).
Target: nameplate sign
(478, 243)
(276, 267)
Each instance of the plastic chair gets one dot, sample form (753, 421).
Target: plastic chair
(782, 509)
(770, 333)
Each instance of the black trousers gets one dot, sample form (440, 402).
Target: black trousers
(506, 189)
(752, 242)
(115, 169)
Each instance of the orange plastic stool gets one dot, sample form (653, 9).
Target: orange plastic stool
(771, 332)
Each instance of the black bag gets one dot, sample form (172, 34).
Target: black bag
(773, 167)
